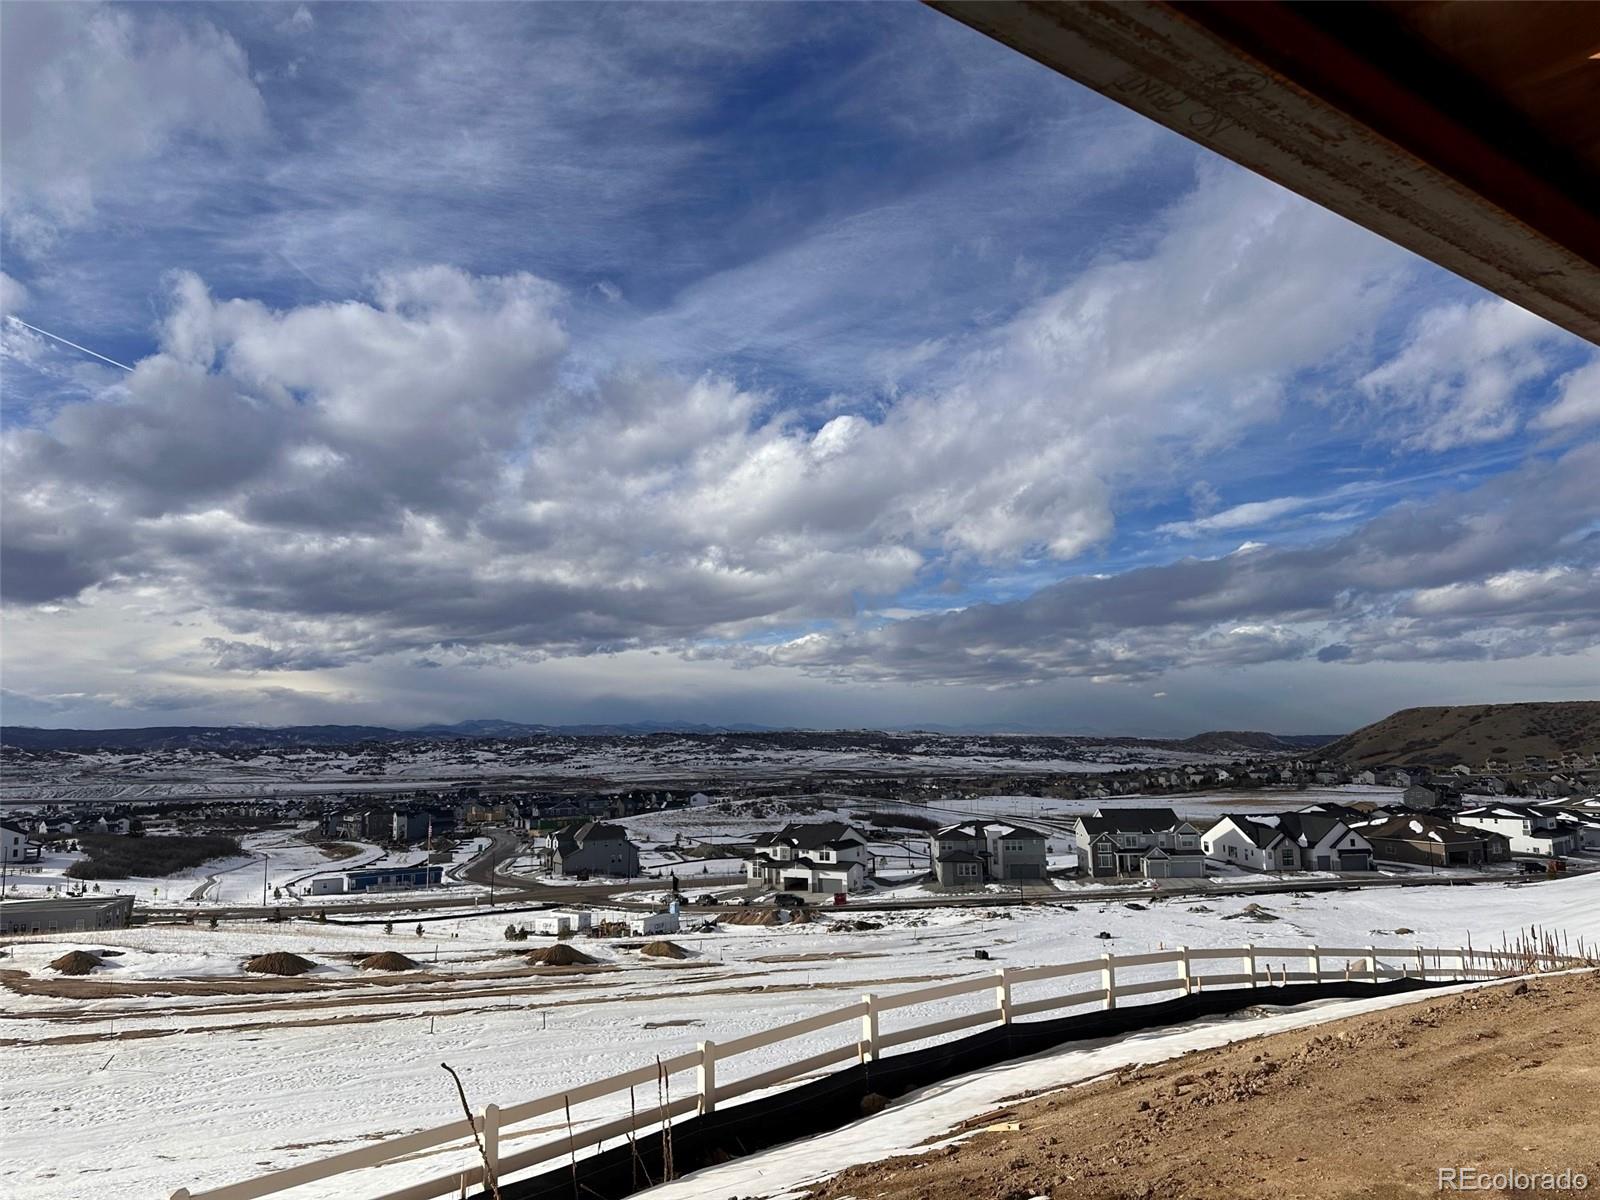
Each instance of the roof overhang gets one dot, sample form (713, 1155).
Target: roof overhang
(1463, 132)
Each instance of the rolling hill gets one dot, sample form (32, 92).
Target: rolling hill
(1472, 734)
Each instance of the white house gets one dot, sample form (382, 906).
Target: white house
(818, 859)
(1246, 842)
(1325, 841)
(16, 845)
(1531, 830)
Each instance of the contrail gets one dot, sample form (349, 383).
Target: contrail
(74, 345)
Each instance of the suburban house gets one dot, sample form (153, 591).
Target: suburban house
(822, 858)
(1530, 830)
(16, 844)
(979, 852)
(1250, 843)
(1326, 841)
(593, 848)
(1424, 839)
(377, 879)
(1421, 796)
(1297, 841)
(1153, 842)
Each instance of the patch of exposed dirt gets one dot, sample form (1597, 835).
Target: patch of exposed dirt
(1363, 1109)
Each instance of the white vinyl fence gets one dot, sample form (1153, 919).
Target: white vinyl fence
(1113, 979)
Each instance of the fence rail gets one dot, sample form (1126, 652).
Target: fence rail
(1262, 966)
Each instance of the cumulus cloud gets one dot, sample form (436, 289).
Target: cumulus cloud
(415, 470)
(89, 89)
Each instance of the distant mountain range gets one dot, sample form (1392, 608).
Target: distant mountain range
(244, 737)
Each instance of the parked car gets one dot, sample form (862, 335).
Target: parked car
(709, 898)
(788, 900)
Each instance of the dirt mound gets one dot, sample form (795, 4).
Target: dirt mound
(765, 916)
(560, 955)
(78, 962)
(666, 950)
(279, 962)
(388, 961)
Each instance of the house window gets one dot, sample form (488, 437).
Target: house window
(1105, 856)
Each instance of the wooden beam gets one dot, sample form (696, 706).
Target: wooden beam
(1162, 62)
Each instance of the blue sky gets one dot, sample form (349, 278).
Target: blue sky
(818, 364)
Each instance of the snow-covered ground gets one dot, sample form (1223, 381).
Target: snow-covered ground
(110, 776)
(276, 868)
(278, 1079)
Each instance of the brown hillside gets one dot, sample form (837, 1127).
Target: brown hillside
(1472, 734)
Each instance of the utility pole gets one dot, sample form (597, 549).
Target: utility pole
(264, 861)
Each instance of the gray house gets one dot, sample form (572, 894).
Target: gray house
(1152, 842)
(978, 852)
(593, 848)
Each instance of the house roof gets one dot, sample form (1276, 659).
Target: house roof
(816, 836)
(980, 830)
(1261, 834)
(1132, 820)
(1305, 828)
(1419, 827)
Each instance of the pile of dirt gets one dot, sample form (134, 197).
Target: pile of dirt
(766, 916)
(78, 962)
(1501, 1078)
(560, 955)
(279, 962)
(666, 950)
(855, 926)
(388, 961)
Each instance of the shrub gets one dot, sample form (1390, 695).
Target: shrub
(114, 857)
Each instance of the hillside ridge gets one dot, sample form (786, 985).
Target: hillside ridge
(1473, 734)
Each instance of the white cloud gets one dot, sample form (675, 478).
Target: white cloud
(13, 295)
(1577, 399)
(91, 89)
(1457, 379)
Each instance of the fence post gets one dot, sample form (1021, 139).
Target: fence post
(1184, 972)
(1002, 996)
(1315, 955)
(491, 1140)
(869, 1029)
(1372, 963)
(708, 1077)
(1250, 963)
(1422, 964)
(1108, 979)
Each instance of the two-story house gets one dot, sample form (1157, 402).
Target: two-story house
(593, 848)
(978, 852)
(1530, 830)
(1298, 841)
(820, 859)
(1153, 842)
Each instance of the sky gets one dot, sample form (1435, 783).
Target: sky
(788, 364)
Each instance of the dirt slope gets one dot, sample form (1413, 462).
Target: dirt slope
(1363, 1109)
(1471, 734)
